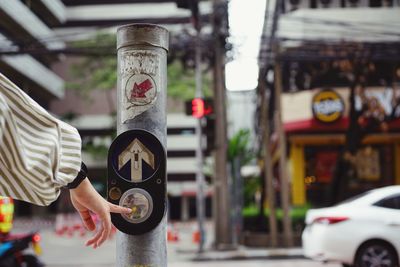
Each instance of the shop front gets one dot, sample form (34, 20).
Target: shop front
(316, 124)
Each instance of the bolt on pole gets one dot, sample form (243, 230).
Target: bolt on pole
(142, 89)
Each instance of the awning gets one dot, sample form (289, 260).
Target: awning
(378, 25)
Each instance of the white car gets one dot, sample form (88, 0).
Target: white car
(363, 231)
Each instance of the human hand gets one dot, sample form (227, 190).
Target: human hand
(85, 200)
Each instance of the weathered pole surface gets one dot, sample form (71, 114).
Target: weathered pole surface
(221, 197)
(283, 168)
(142, 63)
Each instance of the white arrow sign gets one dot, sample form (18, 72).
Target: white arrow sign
(136, 152)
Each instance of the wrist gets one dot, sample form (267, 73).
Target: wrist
(81, 176)
(82, 187)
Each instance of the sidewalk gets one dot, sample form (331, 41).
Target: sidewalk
(185, 248)
(243, 253)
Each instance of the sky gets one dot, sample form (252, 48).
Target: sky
(246, 18)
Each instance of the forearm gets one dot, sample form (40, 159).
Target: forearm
(39, 154)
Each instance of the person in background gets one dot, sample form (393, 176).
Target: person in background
(40, 155)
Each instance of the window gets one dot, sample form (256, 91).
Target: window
(392, 202)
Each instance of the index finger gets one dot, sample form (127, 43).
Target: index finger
(118, 209)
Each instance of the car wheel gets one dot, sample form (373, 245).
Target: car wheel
(376, 254)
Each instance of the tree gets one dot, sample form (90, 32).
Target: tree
(99, 73)
(239, 154)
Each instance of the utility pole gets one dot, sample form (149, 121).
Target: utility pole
(221, 197)
(142, 80)
(283, 168)
(267, 166)
(267, 58)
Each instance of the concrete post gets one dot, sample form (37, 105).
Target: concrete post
(142, 65)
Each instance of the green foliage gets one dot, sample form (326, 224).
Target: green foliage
(296, 213)
(253, 221)
(239, 146)
(98, 152)
(240, 153)
(181, 82)
(251, 186)
(92, 73)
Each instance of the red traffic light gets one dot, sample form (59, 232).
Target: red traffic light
(199, 108)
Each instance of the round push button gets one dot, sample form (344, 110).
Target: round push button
(140, 202)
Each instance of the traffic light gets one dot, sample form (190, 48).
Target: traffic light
(203, 109)
(199, 107)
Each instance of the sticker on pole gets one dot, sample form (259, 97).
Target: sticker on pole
(140, 90)
(139, 82)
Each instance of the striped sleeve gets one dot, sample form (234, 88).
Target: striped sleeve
(39, 154)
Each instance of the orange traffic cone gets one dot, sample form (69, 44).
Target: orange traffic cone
(172, 234)
(196, 236)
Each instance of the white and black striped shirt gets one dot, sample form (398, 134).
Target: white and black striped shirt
(39, 154)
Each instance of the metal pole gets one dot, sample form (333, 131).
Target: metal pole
(142, 64)
(199, 150)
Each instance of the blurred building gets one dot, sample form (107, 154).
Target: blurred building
(34, 53)
(315, 122)
(291, 5)
(313, 43)
(27, 27)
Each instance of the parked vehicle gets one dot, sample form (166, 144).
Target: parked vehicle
(13, 251)
(363, 231)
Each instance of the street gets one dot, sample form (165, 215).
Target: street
(68, 250)
(255, 263)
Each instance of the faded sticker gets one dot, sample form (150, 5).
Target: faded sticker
(139, 72)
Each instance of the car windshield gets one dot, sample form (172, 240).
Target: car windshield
(352, 199)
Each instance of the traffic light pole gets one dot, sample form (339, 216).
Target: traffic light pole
(199, 150)
(142, 63)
